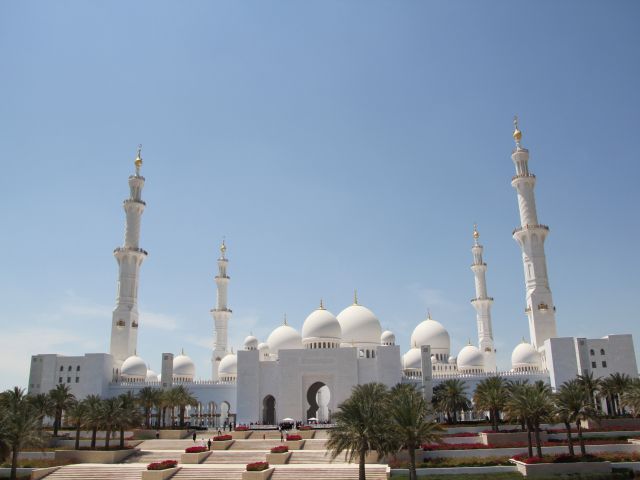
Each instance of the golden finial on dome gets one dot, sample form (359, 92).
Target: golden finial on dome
(476, 234)
(223, 247)
(428, 314)
(321, 305)
(355, 297)
(517, 134)
(285, 320)
(138, 160)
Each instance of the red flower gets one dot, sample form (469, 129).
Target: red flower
(280, 449)
(293, 437)
(163, 465)
(257, 466)
(241, 428)
(222, 438)
(198, 449)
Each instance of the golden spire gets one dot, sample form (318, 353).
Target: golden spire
(517, 134)
(428, 314)
(355, 297)
(138, 160)
(321, 305)
(223, 248)
(285, 320)
(476, 234)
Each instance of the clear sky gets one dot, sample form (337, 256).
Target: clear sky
(336, 144)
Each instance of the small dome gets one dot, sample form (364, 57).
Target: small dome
(263, 347)
(134, 368)
(470, 358)
(250, 343)
(452, 360)
(321, 324)
(228, 366)
(525, 357)
(284, 337)
(387, 338)
(430, 332)
(152, 376)
(412, 360)
(183, 367)
(359, 326)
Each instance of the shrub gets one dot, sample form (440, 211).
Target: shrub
(241, 428)
(198, 449)
(257, 466)
(280, 449)
(293, 437)
(163, 465)
(222, 438)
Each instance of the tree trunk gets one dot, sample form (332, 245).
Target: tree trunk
(182, 411)
(56, 422)
(107, 439)
(567, 425)
(412, 463)
(529, 442)
(77, 445)
(14, 463)
(121, 438)
(538, 442)
(94, 434)
(583, 450)
(361, 470)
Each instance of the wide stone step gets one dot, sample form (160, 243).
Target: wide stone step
(315, 444)
(204, 473)
(237, 457)
(98, 472)
(167, 444)
(255, 444)
(313, 456)
(148, 456)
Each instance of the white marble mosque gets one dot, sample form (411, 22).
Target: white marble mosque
(306, 374)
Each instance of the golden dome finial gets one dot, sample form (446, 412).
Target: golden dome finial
(223, 247)
(476, 234)
(355, 297)
(428, 314)
(285, 320)
(517, 134)
(321, 305)
(138, 160)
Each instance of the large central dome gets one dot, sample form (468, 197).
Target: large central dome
(360, 327)
(430, 332)
(284, 337)
(321, 325)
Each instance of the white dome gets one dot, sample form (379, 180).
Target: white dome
(183, 366)
(321, 324)
(228, 365)
(387, 338)
(452, 360)
(470, 358)
(284, 337)
(430, 332)
(359, 326)
(412, 359)
(250, 343)
(134, 368)
(152, 376)
(525, 357)
(263, 347)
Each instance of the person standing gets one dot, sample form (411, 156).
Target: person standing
(209, 444)
(194, 437)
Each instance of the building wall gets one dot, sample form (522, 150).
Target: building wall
(561, 360)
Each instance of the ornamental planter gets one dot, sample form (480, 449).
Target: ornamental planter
(194, 457)
(159, 474)
(509, 438)
(278, 458)
(295, 444)
(221, 444)
(547, 469)
(241, 434)
(263, 475)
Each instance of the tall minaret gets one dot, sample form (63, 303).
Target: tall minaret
(124, 325)
(482, 304)
(221, 314)
(531, 235)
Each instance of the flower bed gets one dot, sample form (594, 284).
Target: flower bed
(241, 428)
(163, 465)
(280, 449)
(257, 466)
(198, 449)
(428, 447)
(222, 438)
(566, 458)
(293, 438)
(455, 462)
(305, 427)
(461, 434)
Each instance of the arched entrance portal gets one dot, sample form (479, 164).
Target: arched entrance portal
(318, 397)
(269, 410)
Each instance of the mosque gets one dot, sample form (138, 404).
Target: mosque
(307, 374)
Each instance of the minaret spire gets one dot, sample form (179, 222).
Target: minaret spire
(531, 236)
(222, 313)
(482, 303)
(124, 325)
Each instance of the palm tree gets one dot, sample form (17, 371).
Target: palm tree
(62, 398)
(94, 416)
(148, 397)
(533, 404)
(576, 402)
(19, 424)
(491, 395)
(591, 385)
(620, 383)
(129, 415)
(514, 386)
(361, 425)
(450, 397)
(110, 417)
(413, 424)
(77, 415)
(607, 390)
(42, 405)
(171, 399)
(567, 395)
(183, 398)
(631, 397)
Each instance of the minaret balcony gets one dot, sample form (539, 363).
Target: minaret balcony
(530, 227)
(524, 175)
(133, 200)
(490, 299)
(130, 249)
(225, 310)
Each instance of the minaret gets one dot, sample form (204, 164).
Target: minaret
(124, 325)
(221, 313)
(482, 303)
(531, 235)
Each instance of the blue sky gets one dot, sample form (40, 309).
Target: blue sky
(336, 144)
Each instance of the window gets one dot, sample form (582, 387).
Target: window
(69, 369)
(602, 351)
(61, 368)
(68, 379)
(591, 352)
(59, 379)
(593, 364)
(78, 368)
(604, 364)
(77, 379)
